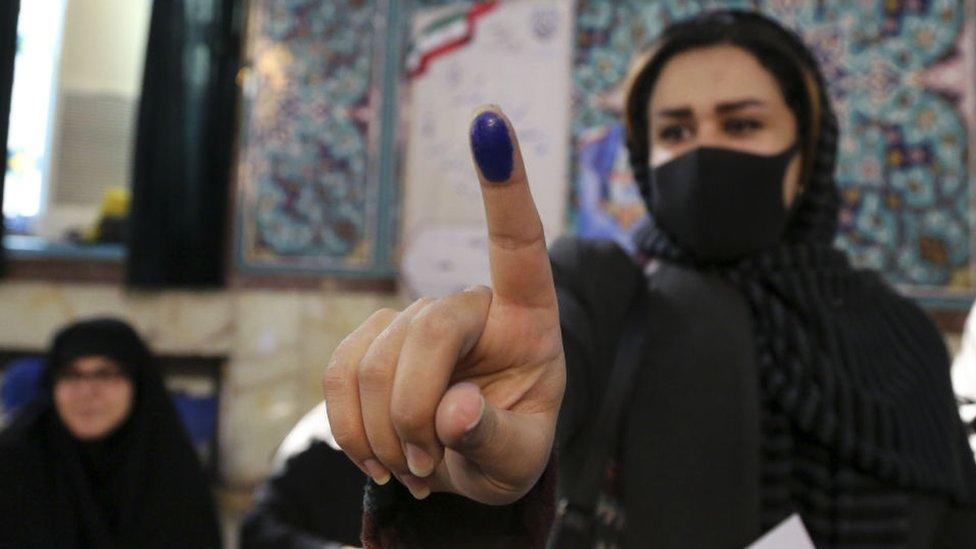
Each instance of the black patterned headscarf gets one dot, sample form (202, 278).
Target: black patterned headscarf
(855, 368)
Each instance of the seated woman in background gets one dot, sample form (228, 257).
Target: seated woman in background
(776, 379)
(100, 458)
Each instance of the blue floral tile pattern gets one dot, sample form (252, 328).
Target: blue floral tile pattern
(310, 188)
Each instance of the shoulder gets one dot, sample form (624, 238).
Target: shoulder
(22, 460)
(897, 305)
(21, 437)
(573, 252)
(12, 452)
(584, 265)
(904, 319)
(595, 282)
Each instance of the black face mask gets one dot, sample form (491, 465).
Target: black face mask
(721, 204)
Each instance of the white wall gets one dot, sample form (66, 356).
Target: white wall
(104, 45)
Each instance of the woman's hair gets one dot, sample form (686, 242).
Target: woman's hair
(777, 49)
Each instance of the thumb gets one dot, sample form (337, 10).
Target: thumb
(463, 420)
(510, 448)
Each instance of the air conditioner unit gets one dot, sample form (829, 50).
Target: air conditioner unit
(92, 151)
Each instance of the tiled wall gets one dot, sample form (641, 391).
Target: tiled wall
(316, 159)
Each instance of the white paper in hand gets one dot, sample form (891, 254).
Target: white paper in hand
(790, 534)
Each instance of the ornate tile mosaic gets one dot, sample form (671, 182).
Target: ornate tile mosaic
(314, 193)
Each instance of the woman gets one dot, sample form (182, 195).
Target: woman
(100, 459)
(776, 379)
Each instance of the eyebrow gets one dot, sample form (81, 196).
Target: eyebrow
(721, 108)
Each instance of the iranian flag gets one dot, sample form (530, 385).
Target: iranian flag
(445, 34)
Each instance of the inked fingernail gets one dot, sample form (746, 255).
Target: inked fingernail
(418, 488)
(418, 461)
(492, 146)
(379, 473)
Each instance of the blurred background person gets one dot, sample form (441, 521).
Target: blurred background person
(314, 496)
(99, 459)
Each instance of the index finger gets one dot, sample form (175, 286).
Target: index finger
(520, 270)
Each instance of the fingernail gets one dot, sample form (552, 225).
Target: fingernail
(418, 461)
(379, 473)
(471, 426)
(418, 488)
(492, 146)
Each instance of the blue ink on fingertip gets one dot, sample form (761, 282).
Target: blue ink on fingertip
(492, 146)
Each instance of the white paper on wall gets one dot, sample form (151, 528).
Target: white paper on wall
(441, 260)
(519, 58)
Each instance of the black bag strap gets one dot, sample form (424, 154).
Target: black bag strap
(577, 508)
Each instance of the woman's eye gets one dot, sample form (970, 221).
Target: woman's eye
(740, 126)
(674, 133)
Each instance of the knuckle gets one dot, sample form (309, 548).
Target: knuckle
(434, 323)
(335, 381)
(516, 242)
(410, 420)
(384, 314)
(345, 437)
(342, 355)
(374, 371)
(385, 446)
(391, 457)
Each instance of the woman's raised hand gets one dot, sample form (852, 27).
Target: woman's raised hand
(461, 394)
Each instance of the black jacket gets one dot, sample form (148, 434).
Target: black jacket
(692, 464)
